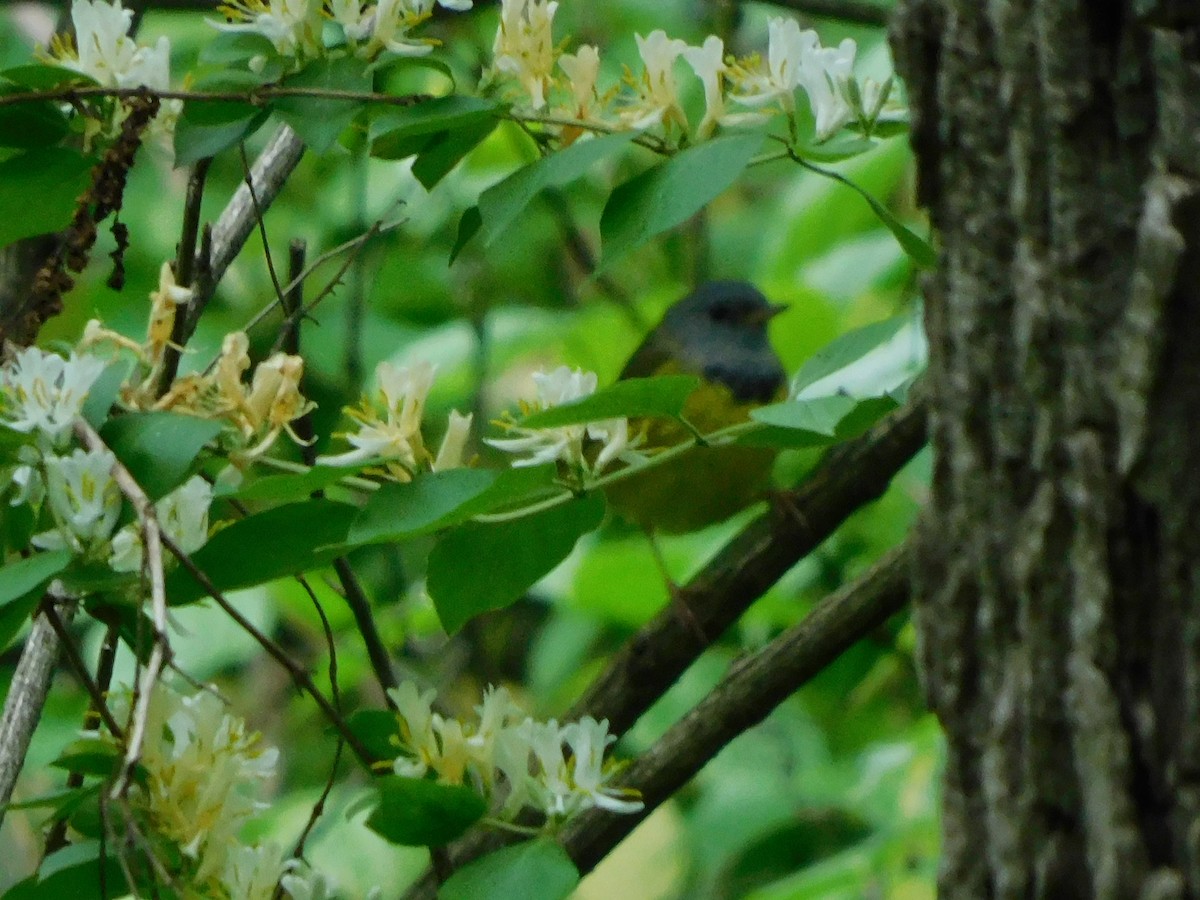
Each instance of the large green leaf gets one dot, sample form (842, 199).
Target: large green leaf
(503, 202)
(287, 488)
(846, 349)
(534, 870)
(400, 132)
(446, 149)
(21, 586)
(42, 77)
(441, 499)
(31, 124)
(481, 567)
(317, 120)
(158, 448)
(39, 191)
(819, 416)
(205, 128)
(660, 395)
(418, 813)
(79, 871)
(26, 575)
(282, 541)
(672, 192)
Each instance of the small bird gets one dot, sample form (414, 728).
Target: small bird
(718, 332)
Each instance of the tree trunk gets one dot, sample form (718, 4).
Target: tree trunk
(1058, 565)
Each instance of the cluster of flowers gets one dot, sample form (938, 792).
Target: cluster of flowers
(103, 51)
(392, 439)
(202, 771)
(42, 395)
(296, 27)
(514, 761)
(566, 84)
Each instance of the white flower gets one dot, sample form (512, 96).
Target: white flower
(588, 739)
(305, 883)
(106, 52)
(183, 516)
(356, 21)
(551, 789)
(657, 101)
(45, 392)
(708, 62)
(83, 496)
(393, 20)
(454, 443)
(293, 26)
(524, 46)
(566, 443)
(251, 873)
(397, 436)
(824, 71)
(414, 711)
(582, 69)
(778, 77)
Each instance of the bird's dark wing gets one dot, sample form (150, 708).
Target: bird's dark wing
(657, 355)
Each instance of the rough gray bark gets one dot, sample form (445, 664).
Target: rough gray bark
(1058, 565)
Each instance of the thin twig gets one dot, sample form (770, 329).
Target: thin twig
(152, 568)
(98, 705)
(261, 222)
(299, 676)
(186, 269)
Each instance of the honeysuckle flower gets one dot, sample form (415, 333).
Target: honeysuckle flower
(83, 497)
(355, 17)
(414, 711)
(823, 72)
(164, 306)
(588, 740)
(396, 437)
(292, 26)
(391, 23)
(565, 444)
(582, 69)
(708, 62)
(454, 442)
(104, 50)
(657, 94)
(273, 401)
(301, 882)
(251, 873)
(182, 514)
(524, 47)
(44, 392)
(775, 79)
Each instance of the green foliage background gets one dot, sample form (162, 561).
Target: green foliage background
(835, 794)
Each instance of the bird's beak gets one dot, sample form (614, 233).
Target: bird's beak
(767, 313)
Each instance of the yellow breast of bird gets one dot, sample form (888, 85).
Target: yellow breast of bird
(703, 485)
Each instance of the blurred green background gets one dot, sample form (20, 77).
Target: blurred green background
(835, 795)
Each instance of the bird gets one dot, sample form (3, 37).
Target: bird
(718, 332)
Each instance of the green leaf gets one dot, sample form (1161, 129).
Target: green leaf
(393, 131)
(89, 756)
(478, 567)
(534, 870)
(660, 395)
(31, 124)
(27, 576)
(237, 46)
(418, 813)
(441, 499)
(319, 121)
(77, 871)
(445, 150)
(55, 176)
(206, 128)
(41, 78)
(819, 416)
(918, 249)
(847, 349)
(375, 728)
(503, 202)
(468, 227)
(282, 541)
(428, 502)
(672, 192)
(288, 488)
(158, 448)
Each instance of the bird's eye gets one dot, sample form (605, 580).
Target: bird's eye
(722, 313)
